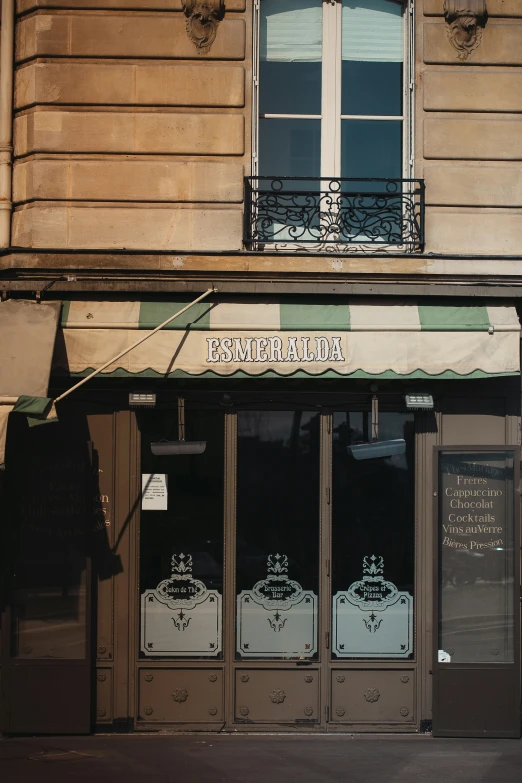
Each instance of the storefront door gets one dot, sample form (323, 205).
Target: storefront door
(477, 604)
(46, 656)
(280, 591)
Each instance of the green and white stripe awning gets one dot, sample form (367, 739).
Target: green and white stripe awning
(312, 337)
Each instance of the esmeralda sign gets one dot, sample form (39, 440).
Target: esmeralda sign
(272, 350)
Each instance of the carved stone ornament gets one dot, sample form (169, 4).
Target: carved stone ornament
(308, 678)
(277, 696)
(212, 710)
(149, 677)
(102, 712)
(148, 710)
(404, 711)
(405, 678)
(465, 20)
(372, 695)
(180, 695)
(203, 18)
(244, 678)
(308, 711)
(244, 711)
(340, 712)
(212, 677)
(340, 678)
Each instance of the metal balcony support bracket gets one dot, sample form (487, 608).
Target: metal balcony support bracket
(465, 20)
(337, 215)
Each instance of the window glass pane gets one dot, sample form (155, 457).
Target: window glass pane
(290, 88)
(54, 498)
(290, 148)
(290, 56)
(371, 148)
(277, 574)
(373, 540)
(476, 558)
(372, 88)
(373, 55)
(181, 538)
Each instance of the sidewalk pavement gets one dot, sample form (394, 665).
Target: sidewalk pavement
(206, 758)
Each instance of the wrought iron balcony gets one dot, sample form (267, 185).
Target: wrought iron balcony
(319, 214)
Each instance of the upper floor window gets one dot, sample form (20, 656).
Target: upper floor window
(331, 88)
(333, 108)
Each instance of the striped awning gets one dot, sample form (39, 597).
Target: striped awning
(291, 337)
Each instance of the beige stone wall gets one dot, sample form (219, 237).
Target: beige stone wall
(125, 135)
(469, 133)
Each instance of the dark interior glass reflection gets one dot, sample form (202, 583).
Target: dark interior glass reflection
(372, 501)
(53, 496)
(290, 148)
(278, 495)
(371, 148)
(290, 88)
(372, 88)
(193, 522)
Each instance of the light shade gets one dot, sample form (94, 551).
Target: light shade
(165, 448)
(419, 402)
(378, 448)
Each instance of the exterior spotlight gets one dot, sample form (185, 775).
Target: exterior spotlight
(142, 399)
(165, 448)
(419, 402)
(378, 448)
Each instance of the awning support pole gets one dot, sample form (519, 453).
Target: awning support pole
(134, 345)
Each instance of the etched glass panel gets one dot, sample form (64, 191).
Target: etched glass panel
(372, 541)
(476, 557)
(181, 539)
(277, 570)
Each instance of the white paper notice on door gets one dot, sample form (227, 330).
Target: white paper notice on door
(154, 495)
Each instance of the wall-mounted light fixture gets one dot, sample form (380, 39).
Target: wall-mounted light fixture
(142, 399)
(377, 448)
(166, 448)
(419, 402)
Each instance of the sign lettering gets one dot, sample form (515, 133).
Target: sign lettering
(273, 350)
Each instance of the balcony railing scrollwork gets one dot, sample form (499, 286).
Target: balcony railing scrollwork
(319, 214)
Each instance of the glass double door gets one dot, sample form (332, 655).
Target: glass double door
(324, 542)
(282, 564)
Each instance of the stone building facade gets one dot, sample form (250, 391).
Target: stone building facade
(139, 182)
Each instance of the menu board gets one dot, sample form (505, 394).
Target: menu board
(476, 556)
(473, 501)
